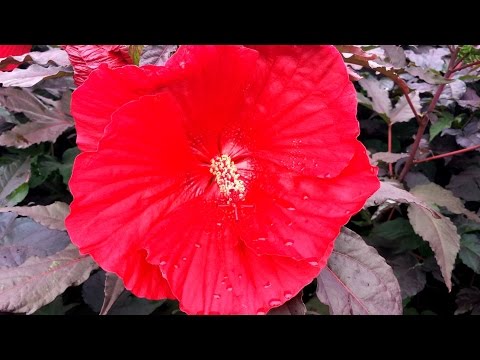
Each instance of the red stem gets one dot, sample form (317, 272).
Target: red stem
(389, 144)
(461, 151)
(425, 119)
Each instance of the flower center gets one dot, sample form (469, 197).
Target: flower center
(227, 177)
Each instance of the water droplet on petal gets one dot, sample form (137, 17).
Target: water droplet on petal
(229, 288)
(313, 263)
(163, 262)
(198, 246)
(219, 224)
(267, 285)
(305, 197)
(262, 239)
(239, 276)
(184, 258)
(288, 243)
(175, 266)
(291, 209)
(274, 302)
(328, 175)
(347, 212)
(288, 295)
(216, 296)
(261, 312)
(290, 223)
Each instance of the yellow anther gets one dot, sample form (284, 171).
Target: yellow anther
(227, 177)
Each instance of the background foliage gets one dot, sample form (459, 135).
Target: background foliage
(420, 121)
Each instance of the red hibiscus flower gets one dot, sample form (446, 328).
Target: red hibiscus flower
(13, 50)
(86, 58)
(221, 179)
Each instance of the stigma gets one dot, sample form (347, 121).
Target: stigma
(227, 177)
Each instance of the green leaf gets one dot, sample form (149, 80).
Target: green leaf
(42, 167)
(135, 51)
(13, 176)
(444, 121)
(395, 234)
(18, 194)
(67, 163)
(315, 307)
(56, 307)
(470, 251)
(469, 54)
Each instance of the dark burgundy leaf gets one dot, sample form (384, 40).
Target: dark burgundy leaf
(22, 238)
(126, 304)
(470, 100)
(32, 75)
(357, 280)
(52, 216)
(38, 281)
(395, 55)
(294, 306)
(47, 123)
(409, 273)
(53, 56)
(442, 236)
(428, 57)
(113, 289)
(156, 54)
(390, 192)
(466, 184)
(468, 299)
(427, 75)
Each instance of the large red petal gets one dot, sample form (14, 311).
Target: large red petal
(304, 114)
(211, 271)
(105, 91)
(122, 190)
(212, 90)
(300, 216)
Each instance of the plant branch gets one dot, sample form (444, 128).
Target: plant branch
(426, 118)
(475, 63)
(456, 152)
